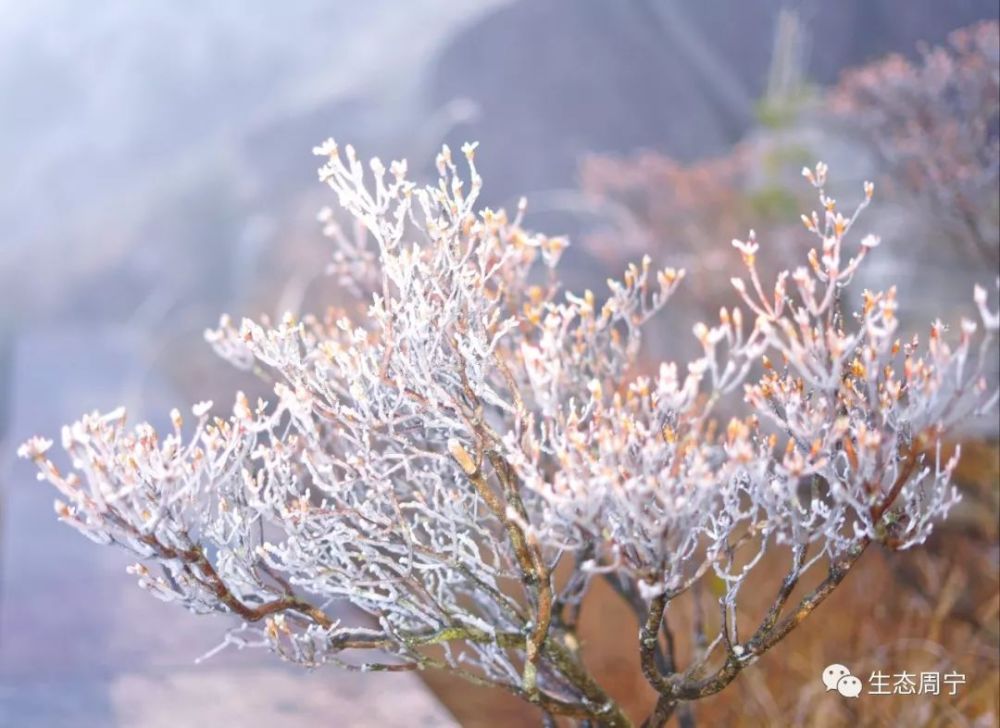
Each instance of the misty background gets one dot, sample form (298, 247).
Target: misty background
(157, 172)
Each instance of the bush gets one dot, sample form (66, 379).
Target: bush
(935, 125)
(465, 461)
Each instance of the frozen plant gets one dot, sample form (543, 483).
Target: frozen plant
(434, 462)
(678, 212)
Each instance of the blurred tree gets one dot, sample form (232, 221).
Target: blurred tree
(936, 124)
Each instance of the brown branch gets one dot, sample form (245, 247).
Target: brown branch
(194, 558)
(912, 457)
(608, 711)
(664, 662)
(686, 689)
(771, 631)
(649, 640)
(784, 592)
(812, 600)
(662, 712)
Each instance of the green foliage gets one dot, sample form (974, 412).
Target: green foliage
(772, 202)
(782, 111)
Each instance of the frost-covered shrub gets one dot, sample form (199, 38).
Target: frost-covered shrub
(433, 462)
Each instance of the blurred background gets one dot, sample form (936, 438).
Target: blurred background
(157, 172)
